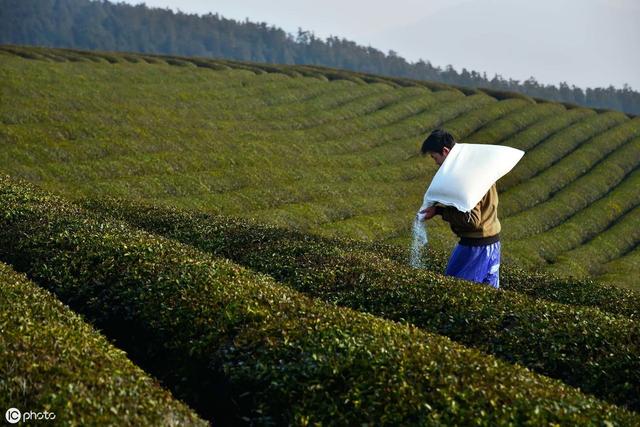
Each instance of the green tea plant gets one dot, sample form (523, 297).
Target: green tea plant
(573, 166)
(52, 361)
(581, 226)
(622, 268)
(587, 259)
(503, 129)
(327, 151)
(557, 146)
(557, 340)
(596, 183)
(240, 347)
(463, 126)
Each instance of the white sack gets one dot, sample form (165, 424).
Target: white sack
(468, 172)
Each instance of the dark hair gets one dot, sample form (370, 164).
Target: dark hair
(438, 139)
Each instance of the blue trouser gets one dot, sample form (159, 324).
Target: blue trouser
(476, 263)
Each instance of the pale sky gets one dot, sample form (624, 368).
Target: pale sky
(588, 43)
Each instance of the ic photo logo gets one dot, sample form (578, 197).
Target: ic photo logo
(14, 416)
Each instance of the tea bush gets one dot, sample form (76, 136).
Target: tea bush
(571, 168)
(51, 360)
(546, 212)
(587, 348)
(622, 268)
(325, 150)
(535, 134)
(559, 145)
(241, 348)
(463, 126)
(587, 259)
(583, 225)
(502, 129)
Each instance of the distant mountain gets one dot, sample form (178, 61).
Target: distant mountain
(121, 27)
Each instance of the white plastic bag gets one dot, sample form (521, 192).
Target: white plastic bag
(468, 172)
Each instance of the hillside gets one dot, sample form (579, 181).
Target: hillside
(232, 237)
(326, 151)
(117, 26)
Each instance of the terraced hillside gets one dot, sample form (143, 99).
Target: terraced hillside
(325, 151)
(267, 314)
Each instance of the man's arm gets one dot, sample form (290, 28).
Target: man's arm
(456, 218)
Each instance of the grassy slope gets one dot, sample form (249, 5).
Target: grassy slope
(329, 152)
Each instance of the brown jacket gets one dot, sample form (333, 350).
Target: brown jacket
(479, 224)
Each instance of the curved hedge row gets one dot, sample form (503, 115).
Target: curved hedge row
(367, 129)
(397, 104)
(498, 131)
(322, 73)
(463, 126)
(342, 115)
(51, 360)
(586, 259)
(240, 347)
(270, 96)
(579, 194)
(540, 285)
(146, 184)
(307, 206)
(309, 111)
(559, 145)
(607, 297)
(537, 133)
(405, 126)
(544, 247)
(548, 287)
(318, 72)
(340, 125)
(584, 347)
(622, 268)
(570, 168)
(93, 109)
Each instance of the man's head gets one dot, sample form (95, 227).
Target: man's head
(438, 145)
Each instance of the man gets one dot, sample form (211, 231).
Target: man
(477, 256)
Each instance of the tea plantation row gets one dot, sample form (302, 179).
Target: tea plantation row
(584, 347)
(51, 360)
(328, 151)
(240, 347)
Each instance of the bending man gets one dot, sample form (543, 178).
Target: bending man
(477, 256)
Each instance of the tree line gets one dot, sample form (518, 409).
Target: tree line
(102, 25)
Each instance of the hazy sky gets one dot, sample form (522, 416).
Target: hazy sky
(584, 42)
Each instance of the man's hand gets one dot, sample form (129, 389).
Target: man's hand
(428, 213)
